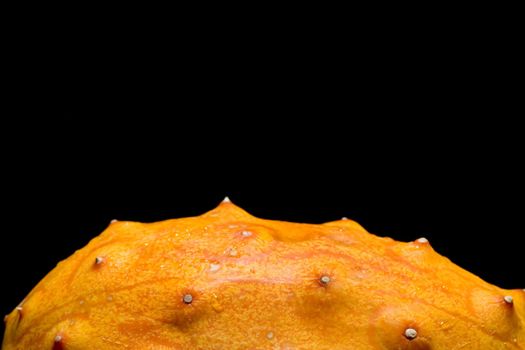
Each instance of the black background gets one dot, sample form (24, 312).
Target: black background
(411, 138)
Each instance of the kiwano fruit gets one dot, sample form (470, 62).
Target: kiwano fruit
(228, 280)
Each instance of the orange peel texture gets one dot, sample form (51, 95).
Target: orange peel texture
(228, 280)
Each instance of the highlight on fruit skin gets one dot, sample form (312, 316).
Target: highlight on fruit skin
(228, 280)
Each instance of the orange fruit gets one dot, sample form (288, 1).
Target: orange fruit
(228, 280)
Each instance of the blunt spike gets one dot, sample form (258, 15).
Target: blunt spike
(58, 342)
(324, 280)
(20, 311)
(187, 298)
(410, 333)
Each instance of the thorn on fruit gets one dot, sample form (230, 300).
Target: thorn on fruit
(269, 335)
(410, 333)
(422, 240)
(113, 221)
(58, 342)
(508, 299)
(99, 260)
(324, 280)
(226, 200)
(187, 298)
(246, 233)
(19, 309)
(344, 218)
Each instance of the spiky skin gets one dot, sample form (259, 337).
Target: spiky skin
(258, 284)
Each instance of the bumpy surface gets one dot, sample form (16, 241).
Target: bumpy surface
(228, 280)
